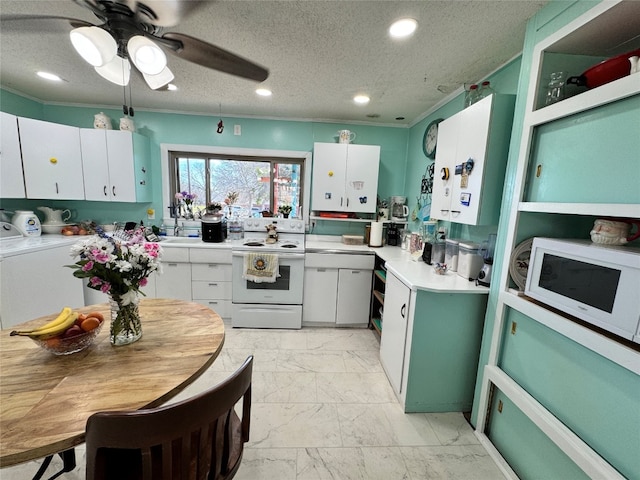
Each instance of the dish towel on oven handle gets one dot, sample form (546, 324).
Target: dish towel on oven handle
(261, 267)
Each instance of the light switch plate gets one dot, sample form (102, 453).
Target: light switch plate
(237, 130)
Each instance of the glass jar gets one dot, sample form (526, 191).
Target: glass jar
(471, 96)
(555, 88)
(485, 90)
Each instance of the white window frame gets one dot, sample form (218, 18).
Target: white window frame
(165, 148)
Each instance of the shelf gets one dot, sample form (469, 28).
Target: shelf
(590, 99)
(614, 351)
(381, 274)
(379, 296)
(377, 324)
(357, 220)
(597, 209)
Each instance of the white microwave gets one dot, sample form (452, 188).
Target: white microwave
(595, 283)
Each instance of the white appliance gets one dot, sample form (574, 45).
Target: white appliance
(265, 304)
(596, 283)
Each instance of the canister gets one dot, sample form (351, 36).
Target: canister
(451, 254)
(27, 223)
(470, 260)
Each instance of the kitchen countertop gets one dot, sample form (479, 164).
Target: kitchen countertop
(416, 274)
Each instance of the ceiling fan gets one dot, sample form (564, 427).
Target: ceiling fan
(131, 31)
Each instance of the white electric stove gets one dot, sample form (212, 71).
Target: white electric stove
(269, 304)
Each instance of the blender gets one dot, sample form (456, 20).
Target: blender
(488, 250)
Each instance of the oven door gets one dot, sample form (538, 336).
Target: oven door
(286, 290)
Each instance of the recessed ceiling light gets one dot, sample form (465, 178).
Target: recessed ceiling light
(263, 92)
(403, 28)
(361, 99)
(49, 76)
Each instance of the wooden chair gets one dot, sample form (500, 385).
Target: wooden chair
(201, 437)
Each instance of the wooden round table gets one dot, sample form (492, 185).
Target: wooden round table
(45, 400)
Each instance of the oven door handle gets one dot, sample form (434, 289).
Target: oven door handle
(280, 255)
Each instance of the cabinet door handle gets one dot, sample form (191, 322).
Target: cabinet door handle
(321, 270)
(172, 264)
(213, 265)
(57, 191)
(444, 212)
(213, 303)
(105, 190)
(455, 213)
(402, 310)
(213, 284)
(355, 271)
(341, 201)
(113, 190)
(347, 202)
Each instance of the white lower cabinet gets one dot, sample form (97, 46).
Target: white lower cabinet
(354, 294)
(320, 296)
(39, 276)
(397, 303)
(337, 289)
(175, 279)
(211, 279)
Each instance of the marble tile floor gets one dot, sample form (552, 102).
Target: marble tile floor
(323, 409)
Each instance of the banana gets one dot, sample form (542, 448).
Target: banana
(61, 319)
(56, 329)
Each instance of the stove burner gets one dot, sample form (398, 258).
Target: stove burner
(254, 244)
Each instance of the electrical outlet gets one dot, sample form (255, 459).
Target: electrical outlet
(151, 214)
(237, 130)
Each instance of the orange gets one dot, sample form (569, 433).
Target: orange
(90, 323)
(97, 315)
(81, 318)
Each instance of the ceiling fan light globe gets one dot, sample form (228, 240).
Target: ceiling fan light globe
(94, 45)
(158, 81)
(117, 71)
(146, 55)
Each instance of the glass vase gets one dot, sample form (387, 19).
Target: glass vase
(125, 321)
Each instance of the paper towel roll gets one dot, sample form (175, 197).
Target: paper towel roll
(375, 237)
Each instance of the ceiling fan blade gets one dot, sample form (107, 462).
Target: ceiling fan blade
(210, 56)
(164, 13)
(44, 23)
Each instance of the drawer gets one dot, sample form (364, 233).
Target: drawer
(210, 255)
(211, 271)
(175, 255)
(339, 260)
(212, 289)
(221, 307)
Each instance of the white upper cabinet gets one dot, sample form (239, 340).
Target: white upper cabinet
(51, 160)
(345, 177)
(11, 176)
(114, 164)
(471, 159)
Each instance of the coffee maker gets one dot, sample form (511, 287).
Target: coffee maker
(398, 209)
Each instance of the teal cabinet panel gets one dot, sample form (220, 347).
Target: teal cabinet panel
(591, 157)
(525, 447)
(447, 331)
(597, 399)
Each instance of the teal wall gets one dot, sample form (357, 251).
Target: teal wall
(200, 130)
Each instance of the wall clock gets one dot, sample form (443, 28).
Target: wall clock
(430, 139)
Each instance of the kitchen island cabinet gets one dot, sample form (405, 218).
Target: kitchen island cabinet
(430, 341)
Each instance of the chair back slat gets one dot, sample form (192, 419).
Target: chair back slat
(200, 438)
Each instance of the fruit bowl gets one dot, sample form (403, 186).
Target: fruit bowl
(68, 345)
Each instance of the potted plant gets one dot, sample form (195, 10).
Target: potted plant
(285, 210)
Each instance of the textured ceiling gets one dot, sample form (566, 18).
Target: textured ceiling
(319, 54)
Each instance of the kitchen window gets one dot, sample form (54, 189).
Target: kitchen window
(244, 185)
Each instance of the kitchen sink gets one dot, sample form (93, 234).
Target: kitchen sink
(181, 240)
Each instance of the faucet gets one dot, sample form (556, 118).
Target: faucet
(177, 228)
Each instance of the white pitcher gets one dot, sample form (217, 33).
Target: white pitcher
(346, 136)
